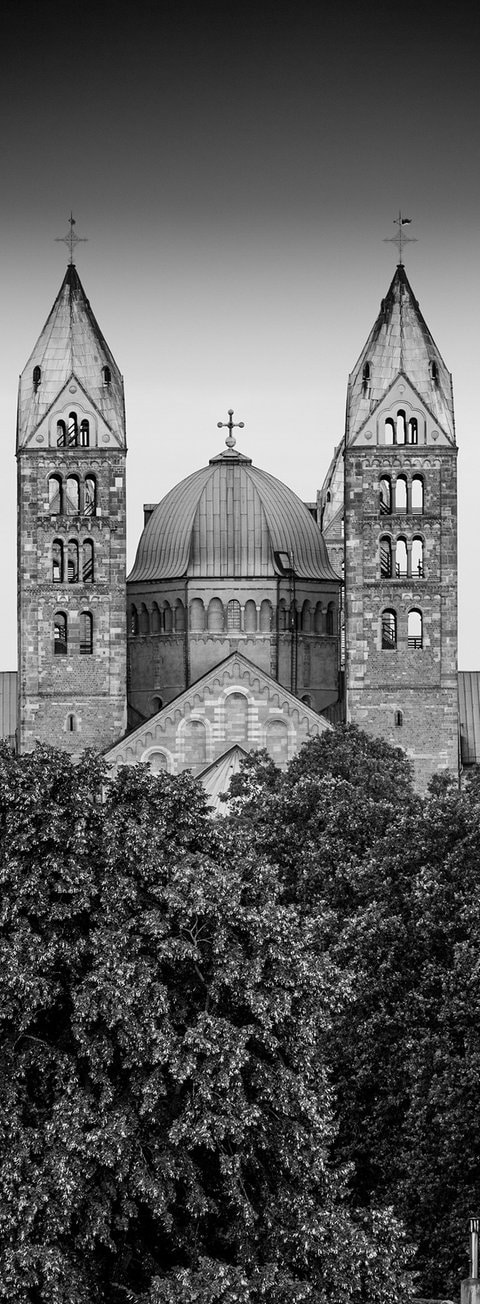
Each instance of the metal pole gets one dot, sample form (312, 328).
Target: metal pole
(474, 1232)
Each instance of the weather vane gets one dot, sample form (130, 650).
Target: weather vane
(71, 239)
(230, 426)
(400, 239)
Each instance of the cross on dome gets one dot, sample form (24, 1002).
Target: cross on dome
(71, 239)
(230, 426)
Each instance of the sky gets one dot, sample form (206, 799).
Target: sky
(236, 169)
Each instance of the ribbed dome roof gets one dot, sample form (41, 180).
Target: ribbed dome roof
(229, 519)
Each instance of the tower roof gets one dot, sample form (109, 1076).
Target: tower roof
(400, 342)
(230, 519)
(70, 344)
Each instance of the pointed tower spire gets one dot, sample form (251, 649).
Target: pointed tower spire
(400, 539)
(71, 451)
(399, 343)
(71, 345)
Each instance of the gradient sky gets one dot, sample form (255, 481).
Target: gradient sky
(236, 168)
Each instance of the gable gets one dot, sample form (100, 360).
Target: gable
(401, 395)
(236, 704)
(74, 396)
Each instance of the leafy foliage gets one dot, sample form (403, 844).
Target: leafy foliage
(395, 881)
(166, 1112)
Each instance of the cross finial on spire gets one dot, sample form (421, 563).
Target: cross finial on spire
(400, 239)
(230, 426)
(71, 239)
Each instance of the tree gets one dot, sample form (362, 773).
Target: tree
(395, 880)
(166, 1113)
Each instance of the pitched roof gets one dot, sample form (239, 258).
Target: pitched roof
(216, 776)
(71, 344)
(229, 519)
(400, 342)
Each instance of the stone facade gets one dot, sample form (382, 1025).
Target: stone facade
(401, 561)
(177, 634)
(236, 704)
(71, 535)
(232, 619)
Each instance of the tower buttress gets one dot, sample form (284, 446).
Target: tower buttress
(401, 539)
(71, 453)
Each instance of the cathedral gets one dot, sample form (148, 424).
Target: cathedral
(250, 618)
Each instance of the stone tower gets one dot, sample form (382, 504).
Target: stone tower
(401, 539)
(71, 534)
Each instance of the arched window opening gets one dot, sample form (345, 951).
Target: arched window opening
(57, 561)
(415, 630)
(389, 631)
(215, 616)
(37, 376)
(318, 618)
(157, 762)
(157, 704)
(277, 741)
(385, 558)
(195, 743)
(197, 616)
(417, 558)
(401, 430)
(87, 562)
(433, 367)
(89, 496)
(413, 431)
(72, 430)
(401, 559)
(329, 621)
(86, 633)
(60, 634)
(401, 494)
(61, 434)
(179, 617)
(106, 375)
(72, 562)
(282, 616)
(167, 619)
(234, 616)
(133, 620)
(250, 617)
(156, 624)
(236, 718)
(55, 495)
(366, 380)
(84, 433)
(71, 723)
(306, 618)
(398, 719)
(73, 496)
(307, 701)
(266, 617)
(389, 431)
(144, 620)
(417, 494)
(385, 496)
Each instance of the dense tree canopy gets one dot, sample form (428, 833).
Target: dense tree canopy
(168, 1006)
(395, 879)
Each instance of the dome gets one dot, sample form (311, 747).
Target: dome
(230, 519)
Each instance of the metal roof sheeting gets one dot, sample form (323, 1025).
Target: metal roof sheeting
(228, 520)
(70, 344)
(8, 703)
(469, 713)
(400, 341)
